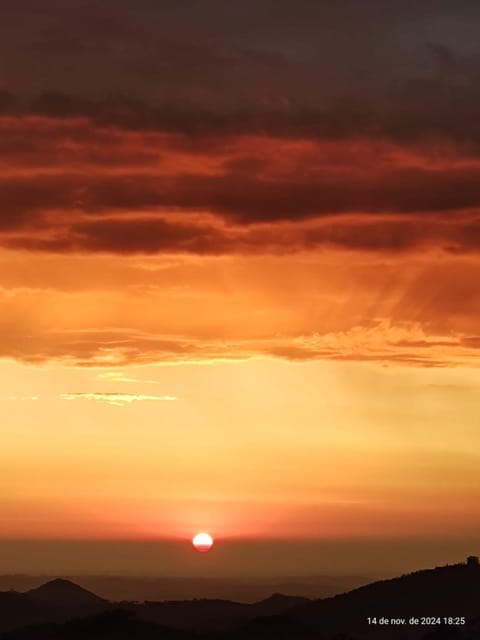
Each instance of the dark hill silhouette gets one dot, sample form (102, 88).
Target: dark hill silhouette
(277, 603)
(64, 592)
(17, 610)
(123, 625)
(201, 614)
(58, 601)
(115, 625)
(53, 602)
(276, 627)
(445, 591)
(117, 588)
(452, 590)
(211, 614)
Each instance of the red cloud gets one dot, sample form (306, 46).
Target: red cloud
(72, 185)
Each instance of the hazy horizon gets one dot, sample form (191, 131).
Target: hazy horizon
(235, 559)
(142, 588)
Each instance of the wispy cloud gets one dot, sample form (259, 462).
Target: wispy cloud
(117, 399)
(119, 376)
(20, 398)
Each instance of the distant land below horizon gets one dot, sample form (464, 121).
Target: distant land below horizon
(439, 603)
(248, 590)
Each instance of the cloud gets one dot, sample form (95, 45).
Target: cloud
(118, 376)
(166, 138)
(21, 398)
(456, 387)
(91, 311)
(73, 186)
(394, 70)
(377, 341)
(117, 399)
(459, 234)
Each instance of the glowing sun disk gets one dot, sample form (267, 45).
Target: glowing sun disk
(202, 542)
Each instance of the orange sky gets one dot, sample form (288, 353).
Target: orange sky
(306, 378)
(240, 283)
(298, 397)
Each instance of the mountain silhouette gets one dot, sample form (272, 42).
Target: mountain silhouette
(210, 614)
(450, 591)
(115, 625)
(275, 627)
(17, 610)
(141, 588)
(277, 603)
(64, 592)
(56, 601)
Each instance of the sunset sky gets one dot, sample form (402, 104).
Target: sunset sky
(239, 285)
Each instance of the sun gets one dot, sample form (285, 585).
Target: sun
(202, 542)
